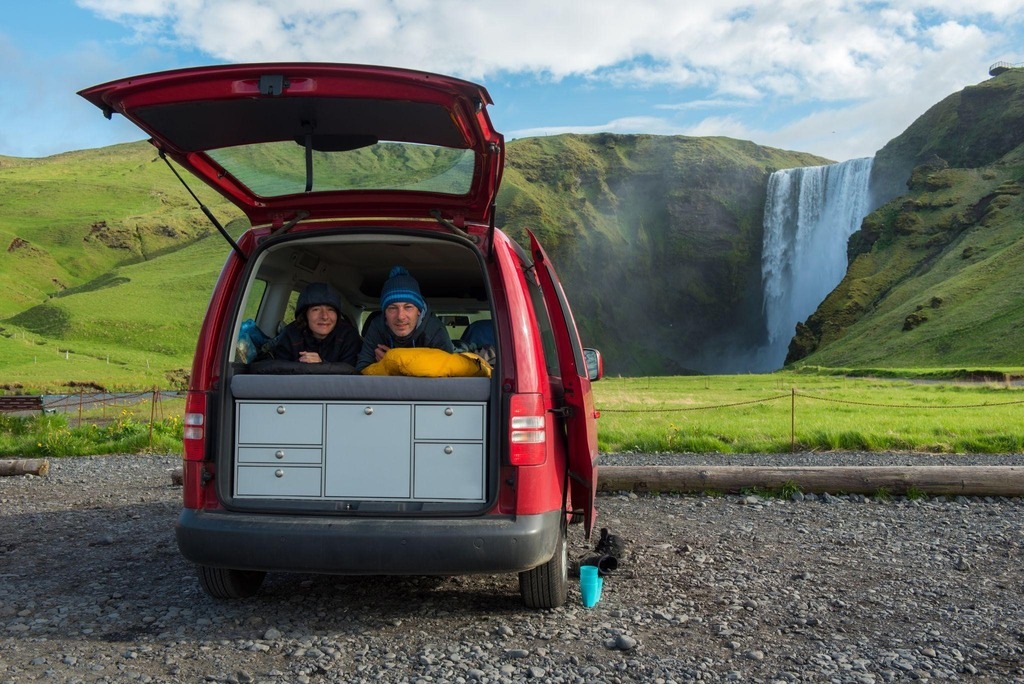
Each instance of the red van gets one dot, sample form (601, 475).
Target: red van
(344, 171)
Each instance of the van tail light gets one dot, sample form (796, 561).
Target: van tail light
(527, 437)
(194, 435)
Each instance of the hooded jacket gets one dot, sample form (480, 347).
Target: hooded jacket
(341, 344)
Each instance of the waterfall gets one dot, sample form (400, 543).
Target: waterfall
(809, 215)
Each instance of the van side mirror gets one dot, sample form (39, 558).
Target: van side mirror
(595, 364)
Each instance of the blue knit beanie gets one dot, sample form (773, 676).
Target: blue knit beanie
(401, 287)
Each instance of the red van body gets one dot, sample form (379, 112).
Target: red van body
(333, 472)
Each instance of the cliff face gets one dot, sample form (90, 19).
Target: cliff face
(657, 240)
(934, 272)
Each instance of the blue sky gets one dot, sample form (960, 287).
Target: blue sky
(832, 77)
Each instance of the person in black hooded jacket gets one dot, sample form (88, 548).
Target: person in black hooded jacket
(406, 321)
(318, 334)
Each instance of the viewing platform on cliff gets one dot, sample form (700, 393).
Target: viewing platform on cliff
(1000, 67)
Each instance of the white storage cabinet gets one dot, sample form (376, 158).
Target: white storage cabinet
(384, 451)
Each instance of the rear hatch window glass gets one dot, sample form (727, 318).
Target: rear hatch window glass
(279, 168)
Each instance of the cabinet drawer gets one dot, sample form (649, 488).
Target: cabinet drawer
(448, 471)
(281, 481)
(450, 421)
(280, 423)
(284, 455)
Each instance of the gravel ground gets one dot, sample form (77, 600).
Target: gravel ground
(733, 588)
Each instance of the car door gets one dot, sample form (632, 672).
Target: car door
(580, 415)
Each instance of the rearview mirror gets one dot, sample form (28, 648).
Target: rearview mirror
(595, 364)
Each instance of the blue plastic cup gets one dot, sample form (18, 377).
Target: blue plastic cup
(588, 572)
(590, 590)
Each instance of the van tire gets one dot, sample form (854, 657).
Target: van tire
(227, 583)
(547, 586)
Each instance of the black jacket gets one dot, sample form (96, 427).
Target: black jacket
(342, 344)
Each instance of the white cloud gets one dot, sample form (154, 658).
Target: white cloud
(868, 67)
(789, 48)
(634, 124)
(724, 103)
(726, 126)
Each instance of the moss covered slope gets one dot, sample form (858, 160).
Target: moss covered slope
(934, 276)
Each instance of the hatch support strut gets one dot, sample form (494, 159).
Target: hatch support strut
(203, 207)
(308, 144)
(490, 233)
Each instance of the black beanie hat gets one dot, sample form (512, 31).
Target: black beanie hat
(317, 294)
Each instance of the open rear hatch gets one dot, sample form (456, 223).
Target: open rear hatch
(292, 140)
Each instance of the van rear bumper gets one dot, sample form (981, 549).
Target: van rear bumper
(364, 546)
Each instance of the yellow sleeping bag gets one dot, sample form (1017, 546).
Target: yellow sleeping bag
(430, 363)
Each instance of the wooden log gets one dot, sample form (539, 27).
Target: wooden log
(24, 466)
(966, 480)
(20, 402)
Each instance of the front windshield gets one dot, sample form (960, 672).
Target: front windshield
(279, 168)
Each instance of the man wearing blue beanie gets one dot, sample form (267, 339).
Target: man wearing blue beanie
(406, 321)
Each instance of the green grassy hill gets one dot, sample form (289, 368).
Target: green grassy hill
(934, 277)
(97, 289)
(132, 327)
(66, 219)
(113, 265)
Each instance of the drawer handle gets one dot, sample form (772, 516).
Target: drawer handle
(449, 450)
(279, 454)
(449, 411)
(368, 410)
(280, 409)
(278, 473)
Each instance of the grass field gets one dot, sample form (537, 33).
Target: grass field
(718, 414)
(782, 411)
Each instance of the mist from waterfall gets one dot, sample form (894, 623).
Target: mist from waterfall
(810, 214)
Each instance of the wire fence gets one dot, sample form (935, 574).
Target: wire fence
(794, 394)
(83, 401)
(117, 412)
(80, 402)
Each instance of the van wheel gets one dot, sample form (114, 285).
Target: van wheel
(226, 583)
(547, 586)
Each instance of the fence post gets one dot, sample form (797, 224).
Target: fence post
(152, 417)
(792, 420)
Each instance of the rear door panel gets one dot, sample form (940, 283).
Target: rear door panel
(578, 397)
